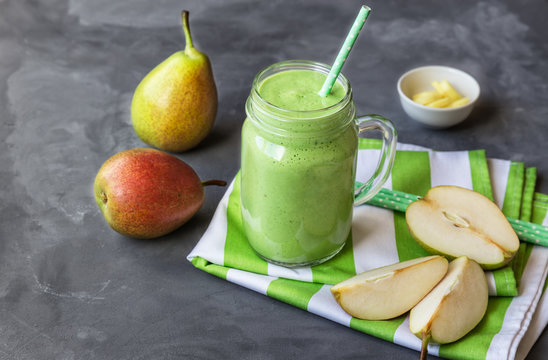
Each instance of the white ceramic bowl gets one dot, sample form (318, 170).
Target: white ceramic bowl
(420, 79)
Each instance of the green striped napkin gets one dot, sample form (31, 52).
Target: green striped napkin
(380, 237)
(539, 315)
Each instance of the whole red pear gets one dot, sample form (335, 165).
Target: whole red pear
(147, 193)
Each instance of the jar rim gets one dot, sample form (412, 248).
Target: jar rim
(306, 65)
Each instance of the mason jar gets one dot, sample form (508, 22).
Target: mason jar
(298, 170)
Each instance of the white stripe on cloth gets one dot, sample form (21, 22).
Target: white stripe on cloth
(450, 168)
(411, 147)
(255, 282)
(324, 304)
(491, 285)
(536, 327)
(499, 171)
(212, 244)
(520, 311)
(366, 164)
(370, 238)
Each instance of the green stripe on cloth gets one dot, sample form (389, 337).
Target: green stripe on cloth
(340, 268)
(296, 293)
(520, 260)
(214, 269)
(476, 343)
(505, 281)
(528, 193)
(416, 163)
(384, 329)
(238, 252)
(514, 190)
(539, 213)
(540, 208)
(481, 181)
(507, 278)
(522, 256)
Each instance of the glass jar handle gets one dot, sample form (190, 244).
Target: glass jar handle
(389, 139)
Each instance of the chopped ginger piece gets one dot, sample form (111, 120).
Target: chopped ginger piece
(449, 91)
(426, 97)
(444, 95)
(459, 102)
(443, 102)
(438, 87)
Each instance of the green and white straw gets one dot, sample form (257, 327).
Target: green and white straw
(398, 200)
(345, 50)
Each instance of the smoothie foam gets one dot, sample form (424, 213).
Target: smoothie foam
(298, 90)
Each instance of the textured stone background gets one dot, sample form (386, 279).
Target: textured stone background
(71, 288)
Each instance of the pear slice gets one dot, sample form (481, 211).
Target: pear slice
(454, 221)
(389, 291)
(454, 307)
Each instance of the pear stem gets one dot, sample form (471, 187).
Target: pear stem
(214, 182)
(186, 29)
(424, 347)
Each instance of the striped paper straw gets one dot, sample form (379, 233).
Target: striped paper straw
(345, 50)
(530, 232)
(399, 201)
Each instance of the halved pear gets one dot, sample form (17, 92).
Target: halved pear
(454, 307)
(389, 291)
(454, 221)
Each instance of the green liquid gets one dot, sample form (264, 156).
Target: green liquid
(297, 191)
(298, 90)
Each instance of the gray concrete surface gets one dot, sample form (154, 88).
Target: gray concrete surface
(71, 288)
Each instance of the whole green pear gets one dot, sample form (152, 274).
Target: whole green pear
(174, 106)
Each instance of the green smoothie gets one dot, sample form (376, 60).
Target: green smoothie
(297, 184)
